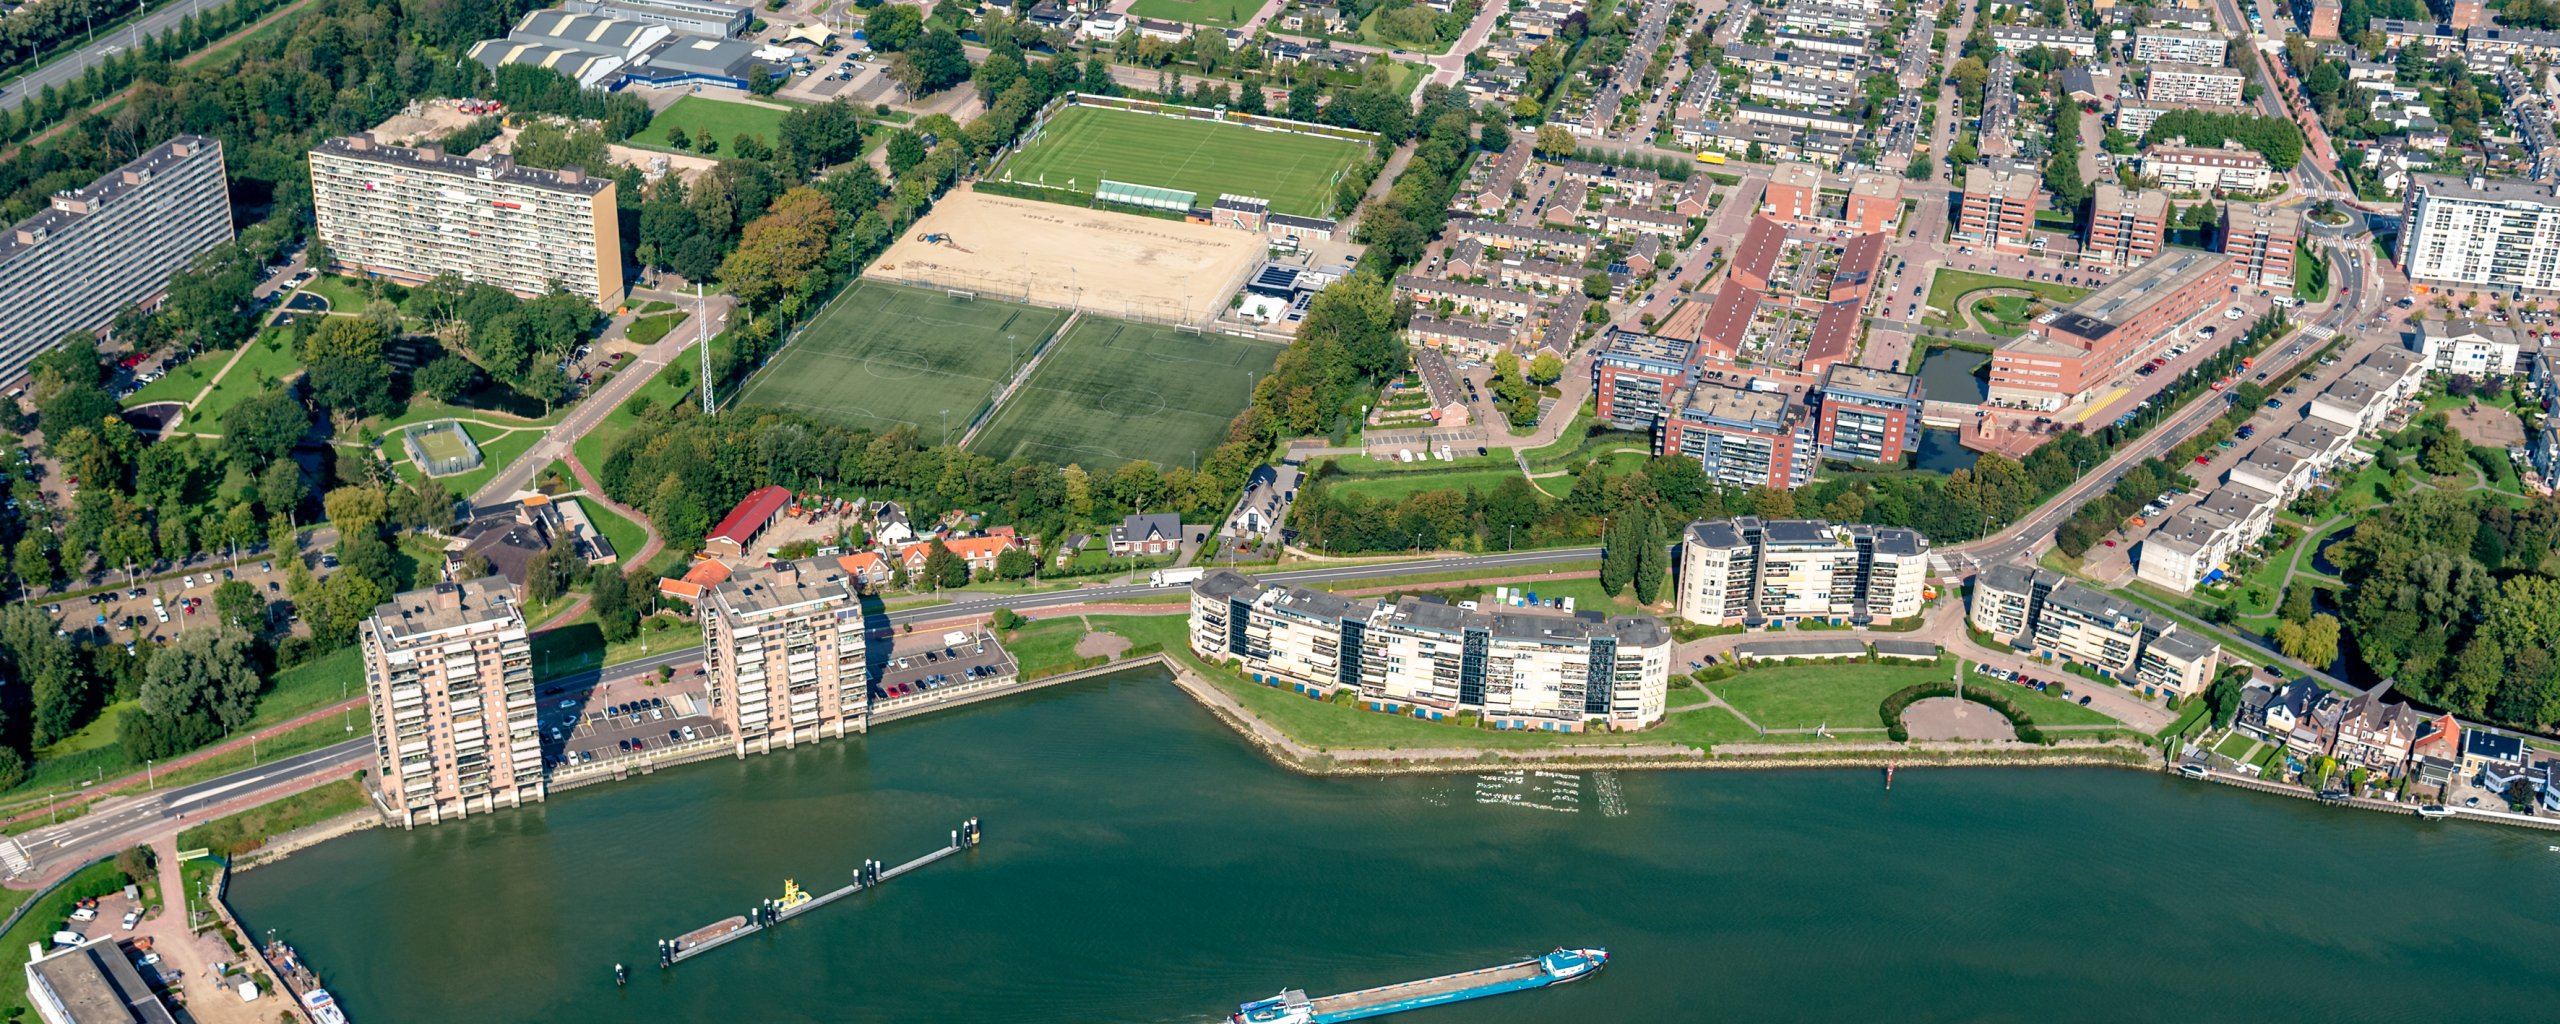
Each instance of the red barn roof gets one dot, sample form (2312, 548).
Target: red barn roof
(751, 515)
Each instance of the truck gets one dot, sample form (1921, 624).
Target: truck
(1711, 158)
(1175, 577)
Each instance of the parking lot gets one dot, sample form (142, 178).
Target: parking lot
(157, 609)
(592, 730)
(920, 666)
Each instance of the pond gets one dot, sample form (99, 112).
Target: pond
(1942, 451)
(1955, 375)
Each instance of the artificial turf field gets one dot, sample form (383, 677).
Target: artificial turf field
(888, 354)
(1085, 145)
(1113, 391)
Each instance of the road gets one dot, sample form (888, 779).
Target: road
(593, 408)
(64, 69)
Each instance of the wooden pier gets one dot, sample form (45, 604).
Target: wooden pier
(770, 912)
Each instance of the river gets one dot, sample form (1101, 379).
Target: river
(1142, 864)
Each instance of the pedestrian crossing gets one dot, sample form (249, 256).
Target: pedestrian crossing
(2320, 332)
(14, 857)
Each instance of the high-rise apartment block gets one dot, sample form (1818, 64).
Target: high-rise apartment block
(1999, 208)
(1516, 668)
(413, 214)
(783, 648)
(2044, 613)
(2127, 227)
(455, 728)
(2171, 46)
(2498, 235)
(2194, 83)
(2261, 238)
(1866, 414)
(1751, 572)
(93, 249)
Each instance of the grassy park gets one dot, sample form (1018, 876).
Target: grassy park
(1949, 289)
(725, 120)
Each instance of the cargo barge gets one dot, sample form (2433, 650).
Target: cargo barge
(1293, 1006)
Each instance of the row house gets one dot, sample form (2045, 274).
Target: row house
(1634, 183)
(1770, 60)
(1569, 245)
(1466, 339)
(2021, 38)
(1623, 220)
(1481, 300)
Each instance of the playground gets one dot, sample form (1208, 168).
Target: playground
(1049, 254)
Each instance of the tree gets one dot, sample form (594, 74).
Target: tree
(893, 27)
(34, 558)
(1555, 141)
(943, 568)
(346, 369)
(2224, 698)
(1016, 563)
(207, 674)
(1006, 619)
(1618, 559)
(2297, 603)
(2313, 643)
(1546, 368)
(259, 431)
(935, 63)
(449, 377)
(1653, 558)
(905, 150)
(240, 606)
(781, 249)
(1597, 287)
(617, 612)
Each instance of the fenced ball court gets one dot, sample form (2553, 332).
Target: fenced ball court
(442, 448)
(884, 355)
(1113, 391)
(1185, 149)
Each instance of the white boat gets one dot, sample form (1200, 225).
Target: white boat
(2434, 812)
(323, 1007)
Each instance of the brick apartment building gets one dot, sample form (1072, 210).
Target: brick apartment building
(1998, 210)
(1740, 438)
(2067, 356)
(2261, 240)
(2127, 227)
(1800, 194)
(1866, 414)
(1636, 377)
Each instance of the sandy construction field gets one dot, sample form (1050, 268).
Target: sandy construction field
(1114, 264)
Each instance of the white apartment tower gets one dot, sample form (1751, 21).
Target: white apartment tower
(450, 672)
(93, 249)
(1754, 572)
(2478, 233)
(783, 648)
(1517, 669)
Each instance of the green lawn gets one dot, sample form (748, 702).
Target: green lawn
(1806, 696)
(726, 121)
(1045, 643)
(292, 692)
(345, 294)
(240, 833)
(1087, 144)
(2237, 746)
(1362, 465)
(47, 917)
(182, 382)
(659, 393)
(270, 359)
(1585, 592)
(1398, 486)
(627, 537)
(1218, 13)
(648, 329)
(1950, 287)
(1111, 391)
(882, 355)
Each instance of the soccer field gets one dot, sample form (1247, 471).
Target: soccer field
(1113, 391)
(886, 355)
(1083, 145)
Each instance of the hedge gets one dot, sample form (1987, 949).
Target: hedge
(1990, 697)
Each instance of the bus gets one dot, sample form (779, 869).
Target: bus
(1710, 158)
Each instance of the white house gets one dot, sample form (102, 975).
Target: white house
(2470, 348)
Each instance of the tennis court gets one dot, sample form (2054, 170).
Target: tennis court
(1115, 391)
(886, 354)
(1082, 145)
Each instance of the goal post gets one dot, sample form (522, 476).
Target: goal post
(961, 294)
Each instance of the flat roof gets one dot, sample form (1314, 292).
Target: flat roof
(436, 161)
(1868, 380)
(96, 984)
(70, 207)
(447, 606)
(1763, 410)
(784, 585)
(2097, 313)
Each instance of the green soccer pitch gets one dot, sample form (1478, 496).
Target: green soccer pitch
(1113, 391)
(887, 354)
(1083, 145)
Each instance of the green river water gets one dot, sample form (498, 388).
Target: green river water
(1143, 864)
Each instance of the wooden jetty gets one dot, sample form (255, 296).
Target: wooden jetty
(773, 912)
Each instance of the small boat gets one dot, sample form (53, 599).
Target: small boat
(2434, 812)
(1293, 1007)
(792, 896)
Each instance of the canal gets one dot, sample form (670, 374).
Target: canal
(1142, 864)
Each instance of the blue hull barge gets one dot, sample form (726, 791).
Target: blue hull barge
(1293, 1006)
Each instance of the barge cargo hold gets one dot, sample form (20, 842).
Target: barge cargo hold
(1293, 1006)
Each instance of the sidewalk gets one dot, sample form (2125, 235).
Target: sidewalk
(108, 788)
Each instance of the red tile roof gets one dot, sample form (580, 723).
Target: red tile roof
(749, 518)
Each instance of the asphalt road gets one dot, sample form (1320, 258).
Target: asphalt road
(63, 69)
